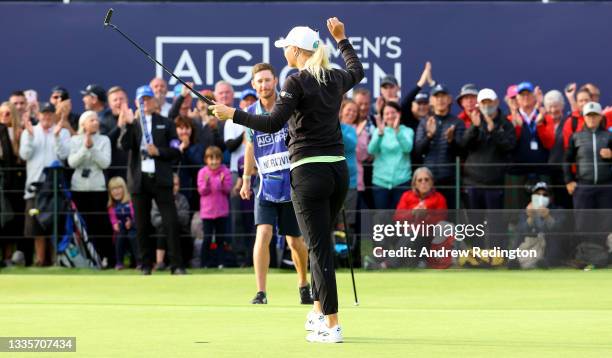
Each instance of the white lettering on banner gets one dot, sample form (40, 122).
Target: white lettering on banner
(218, 60)
(208, 59)
(273, 162)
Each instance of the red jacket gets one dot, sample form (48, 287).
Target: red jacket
(433, 201)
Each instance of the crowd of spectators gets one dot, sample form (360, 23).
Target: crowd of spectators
(505, 144)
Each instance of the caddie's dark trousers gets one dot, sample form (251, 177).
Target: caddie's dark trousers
(318, 191)
(142, 209)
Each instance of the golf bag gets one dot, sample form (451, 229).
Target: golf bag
(74, 249)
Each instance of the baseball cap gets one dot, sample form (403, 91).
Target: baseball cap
(591, 107)
(144, 91)
(439, 88)
(62, 91)
(467, 90)
(422, 97)
(539, 186)
(47, 107)
(300, 36)
(389, 80)
(95, 90)
(248, 92)
(524, 86)
(486, 93)
(512, 91)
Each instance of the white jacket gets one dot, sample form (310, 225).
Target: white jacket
(96, 159)
(40, 150)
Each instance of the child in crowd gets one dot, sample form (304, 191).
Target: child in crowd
(214, 186)
(121, 215)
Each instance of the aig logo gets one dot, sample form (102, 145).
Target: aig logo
(264, 140)
(206, 60)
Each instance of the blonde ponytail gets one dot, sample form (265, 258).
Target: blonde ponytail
(318, 63)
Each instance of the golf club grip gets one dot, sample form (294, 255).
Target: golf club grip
(200, 96)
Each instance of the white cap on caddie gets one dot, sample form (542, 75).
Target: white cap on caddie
(300, 36)
(486, 93)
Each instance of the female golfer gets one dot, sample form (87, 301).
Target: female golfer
(310, 100)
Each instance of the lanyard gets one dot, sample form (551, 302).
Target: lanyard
(143, 121)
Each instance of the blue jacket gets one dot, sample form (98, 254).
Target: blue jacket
(438, 150)
(391, 156)
(349, 137)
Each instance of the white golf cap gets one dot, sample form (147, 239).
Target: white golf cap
(486, 93)
(591, 107)
(300, 36)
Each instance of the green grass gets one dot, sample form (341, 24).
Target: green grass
(423, 313)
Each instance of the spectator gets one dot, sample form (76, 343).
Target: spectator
(40, 145)
(362, 98)
(18, 100)
(184, 219)
(94, 99)
(182, 102)
(117, 98)
(467, 101)
(190, 161)
(14, 178)
(348, 116)
(247, 98)
(209, 128)
(24, 109)
(537, 227)
(7, 160)
(233, 136)
(60, 98)
(9, 116)
(121, 216)
(422, 196)
(415, 105)
(152, 146)
(90, 154)
(511, 93)
(591, 185)
(389, 92)
(489, 140)
(533, 137)
(214, 186)
(390, 145)
(555, 119)
(160, 89)
(437, 142)
(575, 122)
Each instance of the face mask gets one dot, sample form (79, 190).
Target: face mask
(539, 201)
(488, 110)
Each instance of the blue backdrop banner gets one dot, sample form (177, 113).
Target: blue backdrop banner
(489, 44)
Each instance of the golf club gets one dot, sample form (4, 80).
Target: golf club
(350, 255)
(107, 23)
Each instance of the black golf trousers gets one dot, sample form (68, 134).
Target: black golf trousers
(318, 191)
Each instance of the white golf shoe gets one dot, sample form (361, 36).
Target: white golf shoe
(326, 335)
(313, 321)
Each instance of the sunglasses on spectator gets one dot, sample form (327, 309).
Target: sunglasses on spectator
(56, 96)
(5, 114)
(423, 180)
